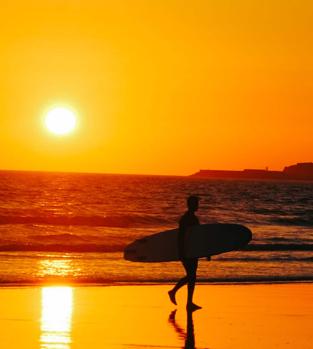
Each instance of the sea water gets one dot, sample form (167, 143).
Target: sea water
(70, 227)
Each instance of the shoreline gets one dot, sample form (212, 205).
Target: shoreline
(165, 283)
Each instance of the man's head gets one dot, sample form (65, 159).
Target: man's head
(192, 203)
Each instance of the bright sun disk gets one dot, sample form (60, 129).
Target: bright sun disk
(60, 121)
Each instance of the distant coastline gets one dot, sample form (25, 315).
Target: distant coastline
(301, 171)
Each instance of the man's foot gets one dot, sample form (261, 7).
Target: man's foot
(171, 294)
(193, 307)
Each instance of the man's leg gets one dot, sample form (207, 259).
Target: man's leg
(183, 281)
(192, 266)
(172, 293)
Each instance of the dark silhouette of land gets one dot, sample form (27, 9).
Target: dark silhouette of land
(301, 171)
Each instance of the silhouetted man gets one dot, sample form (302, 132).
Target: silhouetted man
(188, 220)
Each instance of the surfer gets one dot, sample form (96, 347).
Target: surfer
(188, 220)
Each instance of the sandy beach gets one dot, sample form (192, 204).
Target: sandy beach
(233, 316)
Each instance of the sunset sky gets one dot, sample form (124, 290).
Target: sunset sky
(158, 86)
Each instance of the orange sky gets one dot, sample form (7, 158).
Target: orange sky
(160, 86)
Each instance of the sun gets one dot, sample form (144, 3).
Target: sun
(60, 120)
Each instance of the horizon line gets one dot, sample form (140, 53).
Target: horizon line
(95, 173)
(141, 174)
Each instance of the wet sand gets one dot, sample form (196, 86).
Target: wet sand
(233, 316)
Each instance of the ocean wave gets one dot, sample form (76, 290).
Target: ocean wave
(122, 221)
(279, 247)
(66, 238)
(118, 246)
(268, 211)
(266, 259)
(278, 239)
(283, 240)
(306, 221)
(96, 255)
(15, 247)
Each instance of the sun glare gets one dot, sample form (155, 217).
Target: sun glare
(60, 121)
(56, 317)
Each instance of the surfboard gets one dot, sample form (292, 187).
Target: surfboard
(201, 241)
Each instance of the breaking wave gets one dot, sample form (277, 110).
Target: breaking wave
(70, 243)
(122, 221)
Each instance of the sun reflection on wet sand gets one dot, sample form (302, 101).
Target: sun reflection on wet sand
(56, 317)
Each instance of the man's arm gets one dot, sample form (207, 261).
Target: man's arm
(181, 240)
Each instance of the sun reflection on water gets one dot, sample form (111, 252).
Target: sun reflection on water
(55, 267)
(56, 317)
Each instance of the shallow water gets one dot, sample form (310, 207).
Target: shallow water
(73, 227)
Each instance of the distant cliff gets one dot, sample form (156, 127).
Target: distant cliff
(300, 171)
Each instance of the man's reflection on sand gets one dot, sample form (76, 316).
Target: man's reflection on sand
(188, 336)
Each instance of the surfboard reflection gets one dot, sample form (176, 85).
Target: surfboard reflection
(189, 335)
(56, 317)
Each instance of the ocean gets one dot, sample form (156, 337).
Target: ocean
(72, 228)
